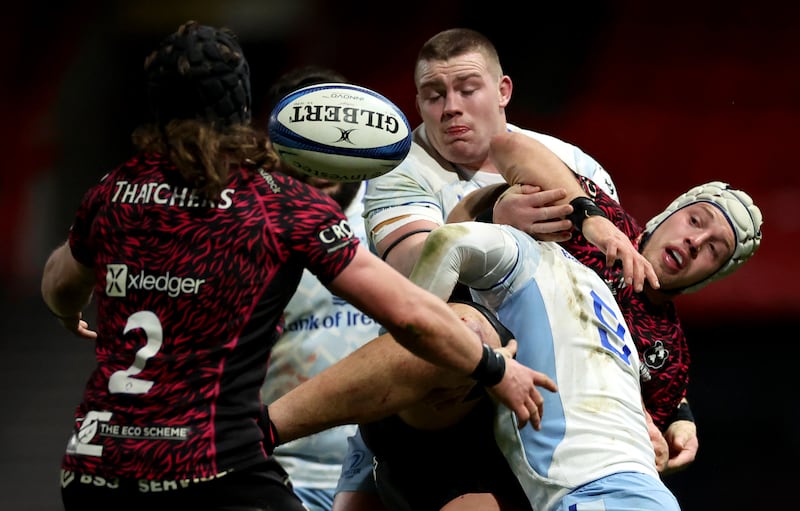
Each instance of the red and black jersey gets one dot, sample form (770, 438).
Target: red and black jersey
(656, 329)
(189, 295)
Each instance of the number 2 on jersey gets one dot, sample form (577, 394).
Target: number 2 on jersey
(123, 381)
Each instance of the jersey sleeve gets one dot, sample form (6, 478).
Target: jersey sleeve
(312, 226)
(81, 228)
(477, 255)
(409, 191)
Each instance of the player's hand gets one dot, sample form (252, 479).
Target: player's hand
(534, 211)
(518, 389)
(78, 326)
(509, 350)
(681, 436)
(659, 444)
(603, 234)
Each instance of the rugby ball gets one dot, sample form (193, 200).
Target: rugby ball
(339, 132)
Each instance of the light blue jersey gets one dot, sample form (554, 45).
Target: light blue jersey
(567, 325)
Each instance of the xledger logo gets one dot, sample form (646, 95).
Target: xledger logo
(119, 280)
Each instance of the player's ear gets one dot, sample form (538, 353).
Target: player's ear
(505, 88)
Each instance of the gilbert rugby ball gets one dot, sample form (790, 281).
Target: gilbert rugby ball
(339, 131)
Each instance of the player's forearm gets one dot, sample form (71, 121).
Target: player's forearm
(523, 160)
(66, 285)
(377, 380)
(418, 319)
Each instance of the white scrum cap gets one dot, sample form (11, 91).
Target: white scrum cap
(738, 208)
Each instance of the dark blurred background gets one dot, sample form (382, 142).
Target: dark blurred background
(665, 96)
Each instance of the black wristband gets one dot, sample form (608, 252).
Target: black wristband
(583, 208)
(490, 369)
(684, 412)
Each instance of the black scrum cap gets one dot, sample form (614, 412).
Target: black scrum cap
(199, 72)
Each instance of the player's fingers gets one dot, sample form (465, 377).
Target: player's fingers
(557, 212)
(544, 225)
(84, 331)
(643, 272)
(548, 198)
(611, 257)
(650, 275)
(630, 270)
(528, 414)
(536, 414)
(544, 381)
(638, 279)
(523, 416)
(529, 188)
(510, 348)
